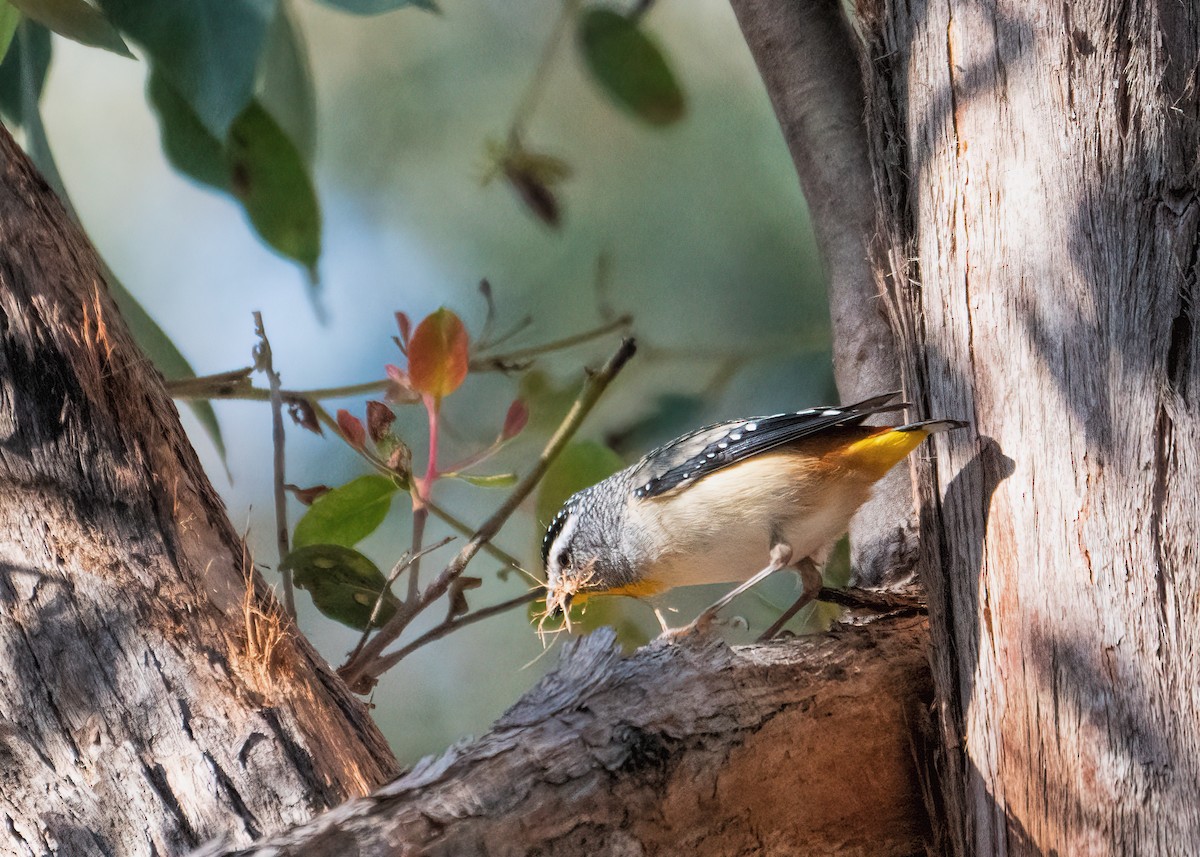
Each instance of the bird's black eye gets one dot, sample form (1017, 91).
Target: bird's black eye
(564, 559)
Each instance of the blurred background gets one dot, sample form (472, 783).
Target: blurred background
(697, 229)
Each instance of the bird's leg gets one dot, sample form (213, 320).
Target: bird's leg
(781, 555)
(810, 579)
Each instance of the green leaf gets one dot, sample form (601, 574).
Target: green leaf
(260, 167)
(343, 583)
(271, 179)
(75, 20)
(494, 480)
(188, 145)
(581, 464)
(346, 515)
(378, 7)
(23, 73)
(9, 18)
(548, 402)
(30, 56)
(285, 85)
(629, 66)
(209, 50)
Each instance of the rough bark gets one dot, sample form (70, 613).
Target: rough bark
(800, 747)
(1038, 175)
(805, 52)
(142, 710)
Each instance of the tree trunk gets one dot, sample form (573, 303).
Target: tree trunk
(1038, 176)
(153, 698)
(806, 53)
(688, 747)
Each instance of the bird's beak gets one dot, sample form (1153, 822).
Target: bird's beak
(558, 604)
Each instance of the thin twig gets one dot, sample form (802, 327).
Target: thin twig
(448, 625)
(370, 664)
(419, 516)
(463, 529)
(406, 559)
(225, 385)
(457, 524)
(263, 362)
(533, 90)
(875, 601)
(503, 362)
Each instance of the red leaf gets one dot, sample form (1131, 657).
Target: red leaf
(379, 420)
(352, 429)
(437, 354)
(307, 495)
(518, 416)
(405, 324)
(302, 413)
(399, 389)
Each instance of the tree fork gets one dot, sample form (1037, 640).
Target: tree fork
(151, 701)
(807, 746)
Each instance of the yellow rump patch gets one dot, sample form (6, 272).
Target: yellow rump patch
(879, 453)
(641, 589)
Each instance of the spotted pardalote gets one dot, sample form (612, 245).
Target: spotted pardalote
(708, 506)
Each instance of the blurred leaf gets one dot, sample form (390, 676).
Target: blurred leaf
(352, 429)
(397, 456)
(581, 464)
(307, 495)
(629, 66)
(271, 179)
(304, 414)
(347, 514)
(457, 594)
(378, 7)
(547, 401)
(188, 145)
(399, 389)
(9, 18)
(495, 480)
(208, 50)
(533, 176)
(673, 414)
(537, 196)
(285, 86)
(76, 20)
(437, 354)
(515, 420)
(23, 72)
(404, 325)
(379, 420)
(343, 583)
(260, 167)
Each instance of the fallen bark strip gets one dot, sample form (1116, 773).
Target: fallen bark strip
(806, 746)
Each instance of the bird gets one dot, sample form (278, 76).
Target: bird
(712, 505)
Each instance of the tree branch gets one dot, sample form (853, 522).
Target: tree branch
(371, 663)
(680, 748)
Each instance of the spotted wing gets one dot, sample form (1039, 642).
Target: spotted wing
(711, 448)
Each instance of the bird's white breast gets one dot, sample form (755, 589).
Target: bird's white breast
(721, 528)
